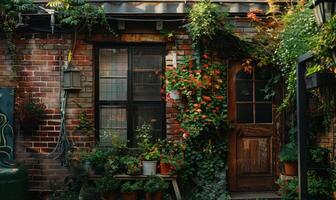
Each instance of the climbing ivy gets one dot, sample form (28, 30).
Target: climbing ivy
(297, 37)
(9, 18)
(79, 14)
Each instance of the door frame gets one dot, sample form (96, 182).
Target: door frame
(276, 126)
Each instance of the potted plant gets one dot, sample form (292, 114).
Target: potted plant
(108, 187)
(29, 114)
(130, 190)
(154, 188)
(150, 153)
(288, 155)
(97, 160)
(131, 164)
(171, 157)
(317, 76)
(149, 161)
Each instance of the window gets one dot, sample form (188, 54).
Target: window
(251, 105)
(128, 92)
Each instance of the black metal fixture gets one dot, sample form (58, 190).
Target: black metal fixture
(71, 78)
(323, 10)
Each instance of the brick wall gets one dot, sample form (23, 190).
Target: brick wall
(40, 60)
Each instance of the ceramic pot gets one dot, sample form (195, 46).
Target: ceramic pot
(149, 167)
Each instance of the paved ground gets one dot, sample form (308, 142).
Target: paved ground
(254, 196)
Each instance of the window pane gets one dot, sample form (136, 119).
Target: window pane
(113, 89)
(263, 73)
(263, 113)
(244, 112)
(113, 62)
(150, 114)
(243, 75)
(113, 125)
(147, 68)
(244, 90)
(113, 74)
(260, 94)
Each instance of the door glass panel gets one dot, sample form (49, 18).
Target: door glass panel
(263, 113)
(244, 90)
(113, 125)
(150, 114)
(263, 73)
(147, 68)
(259, 91)
(243, 75)
(244, 112)
(113, 64)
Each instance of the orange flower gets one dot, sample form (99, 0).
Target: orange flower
(205, 65)
(219, 97)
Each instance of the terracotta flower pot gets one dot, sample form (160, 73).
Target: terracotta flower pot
(291, 168)
(129, 196)
(334, 195)
(154, 196)
(165, 168)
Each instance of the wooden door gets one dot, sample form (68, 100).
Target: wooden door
(252, 156)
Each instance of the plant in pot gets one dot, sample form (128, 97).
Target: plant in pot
(108, 187)
(149, 161)
(150, 153)
(97, 160)
(29, 113)
(154, 188)
(288, 155)
(171, 157)
(130, 190)
(317, 76)
(131, 165)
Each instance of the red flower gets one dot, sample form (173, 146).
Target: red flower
(205, 56)
(207, 98)
(205, 65)
(204, 116)
(219, 97)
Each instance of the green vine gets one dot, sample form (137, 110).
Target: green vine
(296, 38)
(202, 88)
(326, 46)
(9, 18)
(79, 14)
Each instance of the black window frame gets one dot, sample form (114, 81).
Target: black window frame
(128, 103)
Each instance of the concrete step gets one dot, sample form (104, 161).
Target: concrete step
(254, 196)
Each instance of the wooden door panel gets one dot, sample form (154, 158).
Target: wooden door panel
(251, 142)
(253, 156)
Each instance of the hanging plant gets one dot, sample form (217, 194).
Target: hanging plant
(29, 113)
